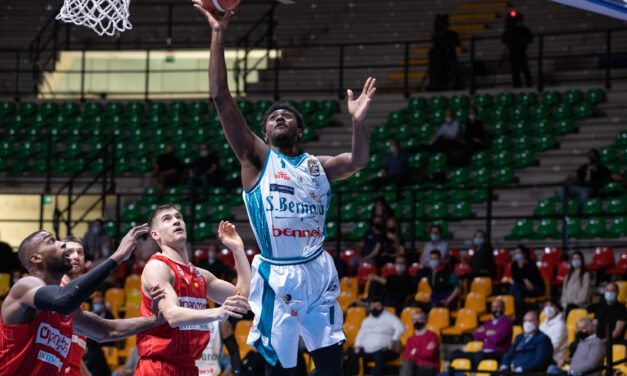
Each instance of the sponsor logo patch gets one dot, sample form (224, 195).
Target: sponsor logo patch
(192, 303)
(314, 167)
(50, 359)
(282, 175)
(282, 189)
(296, 233)
(51, 337)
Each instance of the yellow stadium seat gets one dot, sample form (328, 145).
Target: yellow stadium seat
(5, 280)
(423, 285)
(129, 344)
(435, 330)
(622, 291)
(111, 355)
(476, 303)
(241, 335)
(409, 325)
(115, 297)
(355, 314)
(364, 294)
(461, 364)
(133, 296)
(517, 329)
(487, 365)
(351, 329)
(132, 310)
(619, 353)
(542, 316)
(392, 310)
(422, 296)
(466, 322)
(133, 281)
(439, 318)
(345, 299)
(481, 285)
(571, 321)
(473, 346)
(349, 284)
(543, 297)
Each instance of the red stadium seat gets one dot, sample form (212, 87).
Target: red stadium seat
(621, 267)
(251, 253)
(453, 256)
(388, 269)
(469, 254)
(546, 269)
(552, 255)
(226, 257)
(363, 271)
(562, 271)
(138, 267)
(199, 254)
(507, 272)
(414, 268)
(603, 258)
(501, 256)
(347, 256)
(461, 269)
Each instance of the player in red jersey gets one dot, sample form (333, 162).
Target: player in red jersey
(38, 316)
(173, 348)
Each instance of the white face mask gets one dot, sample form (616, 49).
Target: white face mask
(528, 327)
(400, 269)
(449, 119)
(549, 311)
(204, 153)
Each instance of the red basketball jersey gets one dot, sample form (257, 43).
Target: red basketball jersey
(183, 345)
(77, 350)
(40, 347)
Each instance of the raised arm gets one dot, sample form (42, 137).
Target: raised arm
(248, 148)
(102, 330)
(344, 165)
(158, 273)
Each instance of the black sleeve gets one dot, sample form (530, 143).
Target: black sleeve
(68, 298)
(236, 362)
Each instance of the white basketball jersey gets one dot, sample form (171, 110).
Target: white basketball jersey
(209, 363)
(287, 208)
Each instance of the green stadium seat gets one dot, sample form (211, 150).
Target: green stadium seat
(595, 227)
(438, 210)
(109, 228)
(592, 206)
(543, 127)
(562, 111)
(573, 225)
(425, 132)
(594, 96)
(545, 142)
(525, 158)
(504, 175)
(177, 108)
(18, 121)
(461, 115)
(38, 121)
(547, 228)
(381, 133)
(113, 109)
(404, 132)
(461, 210)
(134, 109)
(622, 139)
(540, 112)
(519, 113)
(417, 118)
(396, 118)
(480, 159)
(92, 109)
(245, 106)
(198, 108)
(459, 177)
(307, 107)
(329, 106)
(359, 230)
(202, 231)
(437, 118)
(309, 134)
(502, 159)
(437, 102)
(150, 196)
(263, 106)
(459, 195)
(482, 176)
(482, 100)
(572, 97)
(504, 99)
(331, 230)
(608, 154)
(418, 160)
(523, 229)
(544, 208)
(613, 188)
(564, 126)
(573, 207)
(155, 108)
(436, 197)
(69, 109)
(6, 148)
(122, 165)
(459, 102)
(583, 111)
(47, 109)
(416, 103)
(499, 114)
(437, 163)
(7, 108)
(617, 228)
(350, 212)
(420, 230)
(131, 213)
(550, 98)
(320, 120)
(27, 109)
(221, 213)
(499, 128)
(617, 205)
(526, 98)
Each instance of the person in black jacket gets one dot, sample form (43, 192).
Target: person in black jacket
(445, 287)
(517, 37)
(475, 136)
(482, 260)
(395, 288)
(527, 281)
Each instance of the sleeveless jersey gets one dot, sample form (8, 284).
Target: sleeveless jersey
(287, 208)
(40, 347)
(77, 350)
(183, 345)
(209, 363)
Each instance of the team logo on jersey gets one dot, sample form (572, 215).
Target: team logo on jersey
(282, 189)
(180, 271)
(197, 275)
(295, 233)
(293, 313)
(287, 297)
(282, 175)
(314, 167)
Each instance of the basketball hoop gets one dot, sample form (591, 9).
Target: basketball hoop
(105, 17)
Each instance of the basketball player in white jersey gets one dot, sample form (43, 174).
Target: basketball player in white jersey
(295, 284)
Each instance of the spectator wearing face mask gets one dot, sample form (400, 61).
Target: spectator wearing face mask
(378, 336)
(610, 316)
(474, 133)
(482, 260)
(445, 287)
(395, 167)
(370, 246)
(587, 352)
(422, 350)
(554, 327)
(531, 351)
(576, 288)
(381, 209)
(527, 280)
(204, 171)
(94, 240)
(395, 288)
(436, 242)
(392, 245)
(449, 136)
(214, 265)
(496, 335)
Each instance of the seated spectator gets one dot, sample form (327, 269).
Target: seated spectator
(610, 316)
(590, 177)
(378, 337)
(395, 167)
(475, 136)
(531, 351)
(482, 260)
(204, 171)
(448, 137)
(393, 246)
(422, 350)
(435, 233)
(214, 265)
(587, 353)
(445, 287)
(496, 335)
(576, 287)
(370, 246)
(168, 170)
(395, 288)
(94, 240)
(381, 209)
(554, 327)
(527, 281)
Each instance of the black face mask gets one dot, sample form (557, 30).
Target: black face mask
(378, 226)
(419, 325)
(497, 314)
(376, 312)
(580, 336)
(391, 229)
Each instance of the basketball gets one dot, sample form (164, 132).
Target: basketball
(220, 5)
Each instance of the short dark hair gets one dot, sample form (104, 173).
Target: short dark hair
(22, 250)
(436, 252)
(556, 303)
(282, 106)
(159, 209)
(439, 227)
(73, 239)
(595, 152)
(375, 298)
(525, 251)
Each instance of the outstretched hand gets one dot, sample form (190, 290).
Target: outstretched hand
(359, 107)
(216, 21)
(229, 236)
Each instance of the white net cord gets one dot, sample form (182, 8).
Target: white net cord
(105, 17)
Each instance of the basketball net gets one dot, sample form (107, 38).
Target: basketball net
(105, 17)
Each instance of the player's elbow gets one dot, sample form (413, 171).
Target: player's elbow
(172, 318)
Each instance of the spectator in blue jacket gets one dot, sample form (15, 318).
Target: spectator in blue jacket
(532, 350)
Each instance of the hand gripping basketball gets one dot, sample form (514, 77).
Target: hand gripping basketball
(217, 21)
